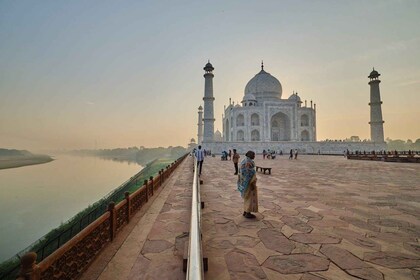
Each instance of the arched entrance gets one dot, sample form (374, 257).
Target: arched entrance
(280, 127)
(255, 135)
(227, 130)
(304, 136)
(240, 135)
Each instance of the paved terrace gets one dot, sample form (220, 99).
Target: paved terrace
(320, 218)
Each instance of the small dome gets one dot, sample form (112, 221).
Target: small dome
(249, 97)
(218, 136)
(374, 74)
(264, 86)
(295, 97)
(192, 140)
(237, 106)
(208, 67)
(200, 108)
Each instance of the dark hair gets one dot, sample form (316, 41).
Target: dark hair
(250, 154)
(234, 150)
(199, 146)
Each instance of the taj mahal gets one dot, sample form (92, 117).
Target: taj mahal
(266, 119)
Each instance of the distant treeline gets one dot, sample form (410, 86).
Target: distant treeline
(14, 153)
(401, 145)
(141, 155)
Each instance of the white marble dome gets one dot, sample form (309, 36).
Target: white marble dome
(295, 97)
(264, 86)
(249, 97)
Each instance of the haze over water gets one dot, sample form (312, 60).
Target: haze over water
(35, 199)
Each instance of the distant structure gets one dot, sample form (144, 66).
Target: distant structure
(192, 144)
(265, 121)
(376, 121)
(265, 117)
(218, 136)
(208, 103)
(200, 126)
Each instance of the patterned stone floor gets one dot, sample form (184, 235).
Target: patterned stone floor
(320, 217)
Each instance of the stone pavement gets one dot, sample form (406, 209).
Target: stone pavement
(320, 217)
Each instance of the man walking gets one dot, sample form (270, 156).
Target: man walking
(199, 154)
(235, 161)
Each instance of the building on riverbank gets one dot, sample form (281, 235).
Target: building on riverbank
(265, 120)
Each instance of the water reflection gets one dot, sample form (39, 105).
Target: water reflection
(34, 199)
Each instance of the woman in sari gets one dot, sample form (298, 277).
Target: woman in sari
(247, 185)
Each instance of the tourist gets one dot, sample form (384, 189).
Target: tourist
(296, 153)
(264, 154)
(199, 154)
(230, 154)
(247, 185)
(235, 161)
(291, 154)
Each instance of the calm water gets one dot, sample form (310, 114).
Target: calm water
(35, 199)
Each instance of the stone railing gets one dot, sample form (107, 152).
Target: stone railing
(412, 158)
(72, 259)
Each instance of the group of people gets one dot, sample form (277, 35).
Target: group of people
(293, 154)
(247, 179)
(269, 154)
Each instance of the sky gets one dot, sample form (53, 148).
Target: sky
(108, 74)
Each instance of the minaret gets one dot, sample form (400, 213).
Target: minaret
(376, 122)
(208, 104)
(200, 126)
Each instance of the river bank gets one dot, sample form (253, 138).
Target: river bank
(13, 162)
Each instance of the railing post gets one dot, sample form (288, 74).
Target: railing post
(160, 178)
(29, 270)
(147, 190)
(151, 183)
(163, 175)
(112, 220)
(127, 198)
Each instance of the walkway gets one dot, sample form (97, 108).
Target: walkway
(320, 218)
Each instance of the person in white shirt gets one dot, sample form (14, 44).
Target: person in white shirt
(199, 154)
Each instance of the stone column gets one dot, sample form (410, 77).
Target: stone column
(208, 98)
(376, 121)
(200, 126)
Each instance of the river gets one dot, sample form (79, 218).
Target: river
(35, 199)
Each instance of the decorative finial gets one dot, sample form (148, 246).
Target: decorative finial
(208, 60)
(262, 65)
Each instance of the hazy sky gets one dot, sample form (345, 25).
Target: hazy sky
(130, 73)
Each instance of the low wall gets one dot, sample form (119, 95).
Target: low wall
(303, 147)
(72, 259)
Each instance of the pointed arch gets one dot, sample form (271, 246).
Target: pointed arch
(255, 135)
(227, 130)
(240, 135)
(280, 127)
(255, 119)
(304, 120)
(240, 120)
(304, 136)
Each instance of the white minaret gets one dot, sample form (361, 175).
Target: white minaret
(208, 104)
(200, 126)
(376, 121)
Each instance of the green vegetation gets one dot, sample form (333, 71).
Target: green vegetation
(401, 145)
(57, 237)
